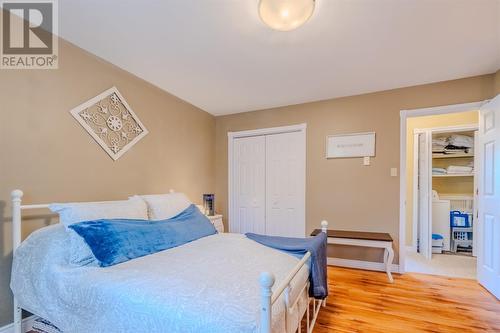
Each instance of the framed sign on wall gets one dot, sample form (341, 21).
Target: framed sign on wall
(350, 145)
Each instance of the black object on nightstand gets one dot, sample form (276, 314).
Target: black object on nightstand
(208, 204)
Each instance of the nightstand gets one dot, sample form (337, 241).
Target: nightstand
(217, 222)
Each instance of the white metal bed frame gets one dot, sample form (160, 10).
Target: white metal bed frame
(266, 280)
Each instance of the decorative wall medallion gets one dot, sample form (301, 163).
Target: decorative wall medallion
(111, 122)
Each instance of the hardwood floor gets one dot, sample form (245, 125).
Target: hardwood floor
(363, 301)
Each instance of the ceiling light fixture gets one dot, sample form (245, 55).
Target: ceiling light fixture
(285, 15)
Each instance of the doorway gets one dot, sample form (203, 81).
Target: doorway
(487, 185)
(443, 186)
(407, 245)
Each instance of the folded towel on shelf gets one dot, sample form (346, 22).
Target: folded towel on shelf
(450, 149)
(439, 142)
(459, 169)
(438, 145)
(459, 140)
(438, 171)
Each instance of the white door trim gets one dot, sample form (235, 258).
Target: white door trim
(445, 129)
(266, 131)
(404, 115)
(257, 132)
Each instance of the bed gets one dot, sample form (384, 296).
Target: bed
(218, 283)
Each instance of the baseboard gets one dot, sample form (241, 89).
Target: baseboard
(27, 325)
(360, 264)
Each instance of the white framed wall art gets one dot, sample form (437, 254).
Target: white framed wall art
(111, 122)
(350, 145)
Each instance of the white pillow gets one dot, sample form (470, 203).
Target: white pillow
(80, 253)
(70, 213)
(165, 206)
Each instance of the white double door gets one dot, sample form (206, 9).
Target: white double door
(268, 184)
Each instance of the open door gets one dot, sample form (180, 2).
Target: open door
(477, 164)
(488, 254)
(424, 195)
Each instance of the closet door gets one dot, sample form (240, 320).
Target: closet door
(424, 195)
(248, 186)
(285, 184)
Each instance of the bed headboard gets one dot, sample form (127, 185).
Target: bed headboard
(17, 207)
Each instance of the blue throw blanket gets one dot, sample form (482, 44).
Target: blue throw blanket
(118, 240)
(300, 246)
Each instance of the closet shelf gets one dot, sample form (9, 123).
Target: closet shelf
(451, 155)
(454, 175)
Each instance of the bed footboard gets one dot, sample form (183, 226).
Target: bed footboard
(268, 297)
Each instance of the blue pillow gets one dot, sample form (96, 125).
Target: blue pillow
(113, 241)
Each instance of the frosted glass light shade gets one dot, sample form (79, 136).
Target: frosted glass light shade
(285, 15)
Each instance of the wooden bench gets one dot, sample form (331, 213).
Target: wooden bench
(366, 239)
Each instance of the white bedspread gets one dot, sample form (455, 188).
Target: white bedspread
(209, 285)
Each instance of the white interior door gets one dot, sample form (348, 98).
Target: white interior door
(248, 185)
(285, 184)
(488, 254)
(475, 216)
(424, 195)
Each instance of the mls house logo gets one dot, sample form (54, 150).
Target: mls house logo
(29, 39)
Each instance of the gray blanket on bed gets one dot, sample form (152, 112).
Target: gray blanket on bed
(318, 287)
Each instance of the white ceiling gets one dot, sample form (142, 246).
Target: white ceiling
(219, 56)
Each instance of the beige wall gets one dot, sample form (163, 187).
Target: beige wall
(343, 191)
(496, 89)
(46, 153)
(454, 119)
